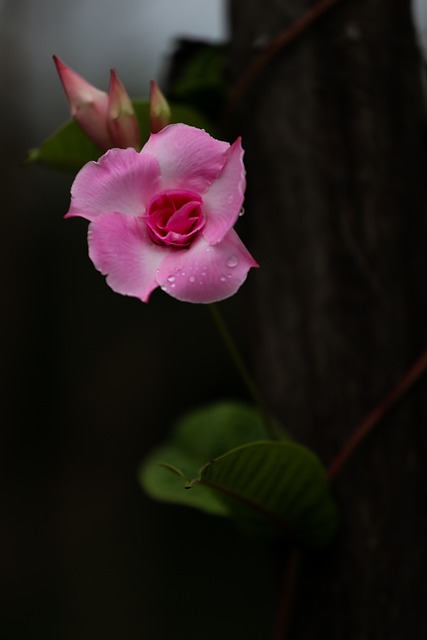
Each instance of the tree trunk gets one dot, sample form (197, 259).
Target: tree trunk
(335, 136)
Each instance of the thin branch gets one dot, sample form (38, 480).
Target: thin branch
(376, 415)
(282, 40)
(287, 595)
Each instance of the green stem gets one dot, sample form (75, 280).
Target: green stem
(252, 388)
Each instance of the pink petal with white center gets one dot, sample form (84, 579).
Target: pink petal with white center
(205, 273)
(122, 180)
(121, 250)
(189, 158)
(223, 200)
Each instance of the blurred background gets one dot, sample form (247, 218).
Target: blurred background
(92, 380)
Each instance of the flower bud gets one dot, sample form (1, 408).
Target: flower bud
(88, 105)
(122, 122)
(160, 113)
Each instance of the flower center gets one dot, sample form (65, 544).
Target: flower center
(174, 218)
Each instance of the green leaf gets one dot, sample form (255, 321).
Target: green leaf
(188, 115)
(272, 487)
(198, 437)
(199, 76)
(69, 148)
(223, 465)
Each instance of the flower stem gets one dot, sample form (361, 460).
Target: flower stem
(272, 430)
(287, 595)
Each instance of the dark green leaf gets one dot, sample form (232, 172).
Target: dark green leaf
(266, 487)
(270, 487)
(198, 437)
(68, 148)
(198, 76)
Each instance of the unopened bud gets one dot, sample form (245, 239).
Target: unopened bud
(160, 113)
(122, 122)
(88, 105)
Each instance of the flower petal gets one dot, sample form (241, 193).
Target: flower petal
(189, 158)
(223, 200)
(205, 273)
(122, 180)
(120, 249)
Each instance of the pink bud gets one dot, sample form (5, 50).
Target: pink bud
(122, 122)
(88, 105)
(160, 113)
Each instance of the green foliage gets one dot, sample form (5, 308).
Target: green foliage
(222, 464)
(274, 487)
(69, 148)
(199, 71)
(198, 437)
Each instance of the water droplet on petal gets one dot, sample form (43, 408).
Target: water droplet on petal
(242, 211)
(192, 279)
(223, 278)
(173, 285)
(183, 273)
(232, 262)
(171, 278)
(203, 274)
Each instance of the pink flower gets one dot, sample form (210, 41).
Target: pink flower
(165, 216)
(109, 120)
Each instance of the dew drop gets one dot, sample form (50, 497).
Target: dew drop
(183, 273)
(173, 285)
(192, 279)
(223, 278)
(203, 274)
(232, 262)
(171, 278)
(242, 211)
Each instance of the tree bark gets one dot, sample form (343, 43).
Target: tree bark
(335, 135)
